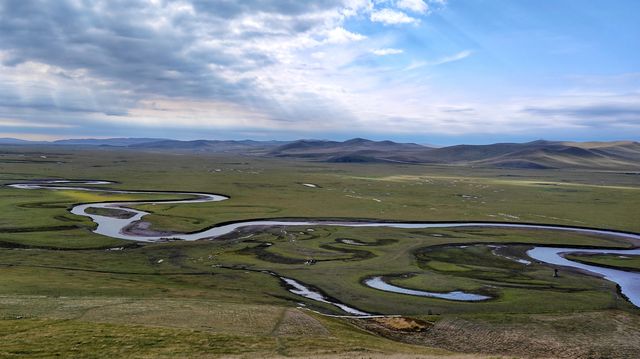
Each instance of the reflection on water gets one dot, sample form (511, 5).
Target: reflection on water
(379, 283)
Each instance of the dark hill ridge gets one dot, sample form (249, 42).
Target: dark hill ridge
(116, 142)
(354, 150)
(568, 155)
(619, 155)
(242, 146)
(15, 141)
(535, 155)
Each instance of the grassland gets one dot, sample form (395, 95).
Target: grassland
(105, 297)
(631, 263)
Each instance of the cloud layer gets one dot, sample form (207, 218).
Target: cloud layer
(245, 67)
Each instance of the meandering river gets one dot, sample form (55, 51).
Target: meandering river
(629, 282)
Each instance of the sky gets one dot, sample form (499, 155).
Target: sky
(426, 71)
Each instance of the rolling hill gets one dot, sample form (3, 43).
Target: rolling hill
(532, 155)
(17, 141)
(543, 154)
(116, 142)
(615, 155)
(242, 146)
(354, 150)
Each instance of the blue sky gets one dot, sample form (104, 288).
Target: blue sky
(427, 71)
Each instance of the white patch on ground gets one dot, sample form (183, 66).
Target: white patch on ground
(365, 198)
(468, 196)
(310, 185)
(506, 215)
(558, 218)
(353, 243)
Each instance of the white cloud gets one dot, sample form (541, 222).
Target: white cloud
(200, 114)
(392, 17)
(9, 122)
(440, 61)
(418, 6)
(387, 51)
(33, 136)
(339, 35)
(214, 64)
(285, 67)
(455, 57)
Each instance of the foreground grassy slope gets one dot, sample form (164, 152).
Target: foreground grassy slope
(207, 298)
(293, 334)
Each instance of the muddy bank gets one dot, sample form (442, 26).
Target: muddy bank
(143, 229)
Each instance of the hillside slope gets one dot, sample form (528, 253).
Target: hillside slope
(354, 150)
(533, 155)
(243, 146)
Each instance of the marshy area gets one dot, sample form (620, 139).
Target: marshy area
(217, 298)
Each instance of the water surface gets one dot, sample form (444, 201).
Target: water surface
(379, 283)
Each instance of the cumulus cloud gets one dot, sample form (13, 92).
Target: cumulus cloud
(104, 58)
(341, 36)
(392, 17)
(387, 51)
(418, 6)
(193, 63)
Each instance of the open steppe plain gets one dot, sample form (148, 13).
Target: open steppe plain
(65, 291)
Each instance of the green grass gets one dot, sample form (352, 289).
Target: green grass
(37, 338)
(610, 260)
(271, 188)
(206, 297)
(109, 212)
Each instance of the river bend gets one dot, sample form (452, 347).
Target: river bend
(629, 282)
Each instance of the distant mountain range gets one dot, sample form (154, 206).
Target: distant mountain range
(532, 155)
(242, 146)
(117, 142)
(354, 150)
(160, 144)
(542, 154)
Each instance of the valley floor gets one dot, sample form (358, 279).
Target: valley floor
(65, 291)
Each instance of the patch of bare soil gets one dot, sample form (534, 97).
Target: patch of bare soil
(295, 322)
(608, 334)
(401, 324)
(110, 212)
(142, 228)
